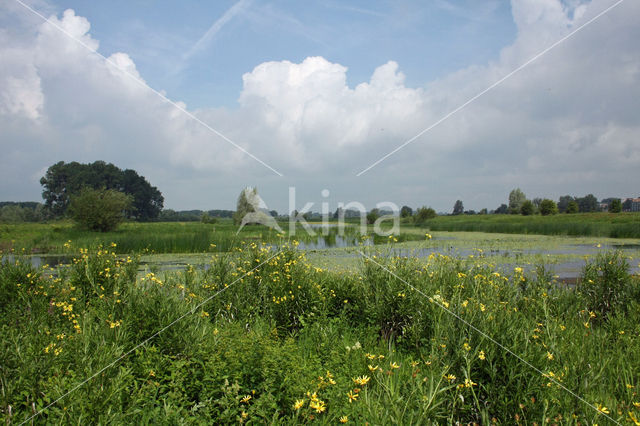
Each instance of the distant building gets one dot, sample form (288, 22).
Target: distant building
(631, 204)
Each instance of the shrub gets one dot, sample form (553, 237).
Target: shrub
(606, 285)
(572, 207)
(527, 208)
(548, 207)
(423, 214)
(99, 209)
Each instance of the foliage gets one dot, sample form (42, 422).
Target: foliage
(572, 207)
(205, 218)
(406, 211)
(503, 209)
(606, 286)
(63, 180)
(372, 216)
(21, 212)
(423, 214)
(99, 209)
(247, 203)
(563, 203)
(615, 206)
(527, 208)
(264, 337)
(587, 204)
(548, 207)
(458, 207)
(516, 199)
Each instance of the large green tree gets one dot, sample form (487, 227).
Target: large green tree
(63, 180)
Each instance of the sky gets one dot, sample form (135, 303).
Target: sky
(410, 102)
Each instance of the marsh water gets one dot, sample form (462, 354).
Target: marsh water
(565, 261)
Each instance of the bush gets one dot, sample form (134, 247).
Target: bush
(527, 208)
(423, 214)
(606, 285)
(572, 207)
(548, 207)
(99, 209)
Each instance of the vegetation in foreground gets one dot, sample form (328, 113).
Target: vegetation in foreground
(264, 337)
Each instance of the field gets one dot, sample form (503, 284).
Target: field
(613, 225)
(375, 334)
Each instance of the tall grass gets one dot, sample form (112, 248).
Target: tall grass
(264, 337)
(624, 225)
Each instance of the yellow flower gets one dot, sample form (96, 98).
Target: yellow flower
(450, 377)
(352, 396)
(344, 419)
(372, 368)
(361, 381)
(549, 356)
(466, 346)
(481, 355)
(602, 409)
(298, 404)
(636, 404)
(318, 405)
(468, 383)
(393, 365)
(245, 398)
(428, 236)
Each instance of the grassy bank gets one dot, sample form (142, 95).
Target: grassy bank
(621, 225)
(263, 337)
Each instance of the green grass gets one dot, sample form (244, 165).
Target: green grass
(158, 237)
(621, 225)
(253, 334)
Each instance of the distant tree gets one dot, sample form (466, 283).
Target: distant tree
(503, 209)
(615, 206)
(536, 202)
(205, 218)
(406, 211)
(587, 204)
(247, 203)
(516, 198)
(458, 207)
(563, 203)
(273, 213)
(626, 206)
(483, 211)
(372, 216)
(572, 207)
(63, 180)
(548, 207)
(99, 209)
(527, 208)
(423, 214)
(470, 212)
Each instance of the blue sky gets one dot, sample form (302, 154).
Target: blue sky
(428, 39)
(320, 91)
